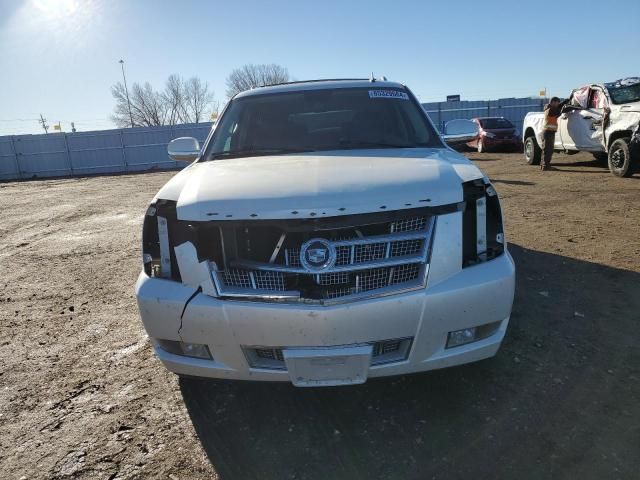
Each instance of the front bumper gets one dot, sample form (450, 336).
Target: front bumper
(472, 297)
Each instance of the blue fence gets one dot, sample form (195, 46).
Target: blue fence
(513, 109)
(88, 153)
(145, 148)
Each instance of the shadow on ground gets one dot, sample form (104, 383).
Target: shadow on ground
(559, 400)
(512, 182)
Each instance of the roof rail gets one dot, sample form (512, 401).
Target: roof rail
(317, 80)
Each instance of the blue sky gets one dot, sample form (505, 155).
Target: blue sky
(59, 57)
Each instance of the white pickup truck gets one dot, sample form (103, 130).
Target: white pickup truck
(324, 234)
(603, 119)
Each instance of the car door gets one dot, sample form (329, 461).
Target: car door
(593, 116)
(581, 127)
(569, 119)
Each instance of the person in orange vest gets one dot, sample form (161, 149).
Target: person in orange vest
(551, 113)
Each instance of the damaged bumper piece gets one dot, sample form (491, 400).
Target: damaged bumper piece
(329, 301)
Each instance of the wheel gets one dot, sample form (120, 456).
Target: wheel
(532, 152)
(480, 145)
(620, 158)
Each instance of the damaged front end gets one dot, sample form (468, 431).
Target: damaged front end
(315, 260)
(310, 260)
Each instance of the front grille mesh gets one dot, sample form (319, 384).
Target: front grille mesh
(343, 255)
(336, 278)
(382, 258)
(368, 253)
(270, 354)
(406, 247)
(405, 273)
(266, 280)
(237, 278)
(409, 224)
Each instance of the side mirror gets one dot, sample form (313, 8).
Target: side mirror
(184, 149)
(460, 131)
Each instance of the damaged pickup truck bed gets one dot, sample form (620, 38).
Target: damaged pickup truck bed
(324, 234)
(603, 119)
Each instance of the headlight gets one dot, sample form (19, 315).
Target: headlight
(150, 243)
(482, 229)
(158, 240)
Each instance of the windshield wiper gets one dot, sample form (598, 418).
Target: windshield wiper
(250, 152)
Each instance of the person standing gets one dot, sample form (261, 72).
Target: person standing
(551, 113)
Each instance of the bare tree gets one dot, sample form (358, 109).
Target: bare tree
(120, 112)
(198, 100)
(147, 106)
(174, 98)
(181, 101)
(250, 76)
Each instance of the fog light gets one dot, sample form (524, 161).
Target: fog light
(461, 337)
(195, 350)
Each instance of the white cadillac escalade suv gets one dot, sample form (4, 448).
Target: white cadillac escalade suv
(324, 234)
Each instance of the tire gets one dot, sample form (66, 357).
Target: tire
(532, 152)
(480, 146)
(620, 158)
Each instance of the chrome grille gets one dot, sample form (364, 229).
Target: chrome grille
(409, 224)
(338, 292)
(266, 280)
(372, 279)
(406, 247)
(292, 256)
(336, 278)
(368, 262)
(369, 252)
(405, 273)
(343, 255)
(237, 278)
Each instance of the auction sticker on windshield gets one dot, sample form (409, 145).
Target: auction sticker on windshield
(388, 94)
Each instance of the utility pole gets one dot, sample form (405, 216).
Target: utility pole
(43, 122)
(126, 91)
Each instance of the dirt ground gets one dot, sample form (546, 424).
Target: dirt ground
(82, 396)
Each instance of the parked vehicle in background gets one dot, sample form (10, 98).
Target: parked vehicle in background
(603, 119)
(495, 133)
(325, 234)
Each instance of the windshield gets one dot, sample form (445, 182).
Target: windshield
(320, 120)
(495, 123)
(626, 94)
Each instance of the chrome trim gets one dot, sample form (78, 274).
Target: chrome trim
(481, 227)
(165, 251)
(392, 237)
(278, 247)
(225, 291)
(390, 262)
(418, 283)
(268, 295)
